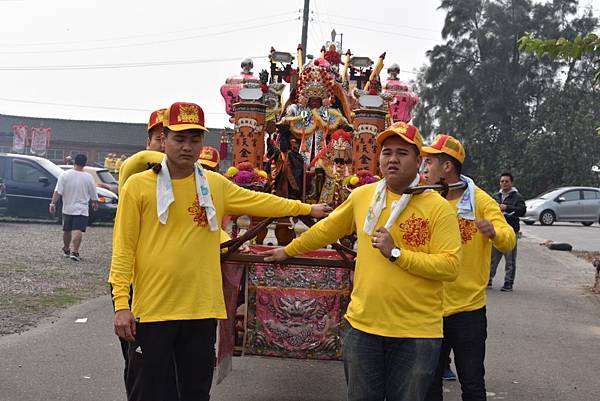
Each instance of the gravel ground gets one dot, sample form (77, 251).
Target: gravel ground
(36, 280)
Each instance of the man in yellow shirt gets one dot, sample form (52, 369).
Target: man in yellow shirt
(481, 225)
(407, 246)
(166, 242)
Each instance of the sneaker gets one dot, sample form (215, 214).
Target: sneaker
(448, 375)
(75, 256)
(506, 287)
(66, 252)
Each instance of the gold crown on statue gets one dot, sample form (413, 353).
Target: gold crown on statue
(315, 81)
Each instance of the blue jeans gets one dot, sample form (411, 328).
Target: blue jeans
(465, 334)
(384, 368)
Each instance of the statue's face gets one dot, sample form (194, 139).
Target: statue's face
(294, 145)
(315, 102)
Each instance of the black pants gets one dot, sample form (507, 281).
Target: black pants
(132, 371)
(465, 333)
(124, 344)
(190, 343)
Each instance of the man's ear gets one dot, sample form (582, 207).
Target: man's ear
(447, 166)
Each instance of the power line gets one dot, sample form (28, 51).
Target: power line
(123, 65)
(381, 31)
(151, 42)
(220, 25)
(319, 17)
(343, 17)
(81, 106)
(314, 37)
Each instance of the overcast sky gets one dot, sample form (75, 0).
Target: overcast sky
(65, 59)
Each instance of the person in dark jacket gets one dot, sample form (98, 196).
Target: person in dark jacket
(513, 206)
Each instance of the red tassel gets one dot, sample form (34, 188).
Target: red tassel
(223, 150)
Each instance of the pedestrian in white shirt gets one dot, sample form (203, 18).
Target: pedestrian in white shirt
(77, 189)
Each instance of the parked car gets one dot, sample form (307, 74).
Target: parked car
(573, 204)
(30, 183)
(102, 177)
(3, 198)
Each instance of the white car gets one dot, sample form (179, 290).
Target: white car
(573, 204)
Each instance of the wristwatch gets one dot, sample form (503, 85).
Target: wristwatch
(395, 254)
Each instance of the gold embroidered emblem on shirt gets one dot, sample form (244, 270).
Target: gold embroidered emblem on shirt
(199, 213)
(415, 231)
(467, 229)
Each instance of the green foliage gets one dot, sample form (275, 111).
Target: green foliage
(583, 45)
(529, 114)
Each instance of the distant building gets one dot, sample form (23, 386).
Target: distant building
(96, 139)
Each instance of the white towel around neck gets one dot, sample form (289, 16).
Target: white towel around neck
(466, 204)
(165, 195)
(378, 204)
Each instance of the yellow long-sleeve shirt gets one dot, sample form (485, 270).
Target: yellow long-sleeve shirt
(137, 163)
(401, 298)
(176, 267)
(467, 292)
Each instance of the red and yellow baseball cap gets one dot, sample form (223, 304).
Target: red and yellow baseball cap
(209, 156)
(181, 116)
(406, 131)
(444, 143)
(156, 118)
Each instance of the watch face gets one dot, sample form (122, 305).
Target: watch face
(395, 252)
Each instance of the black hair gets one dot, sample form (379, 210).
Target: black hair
(443, 158)
(507, 174)
(80, 160)
(156, 167)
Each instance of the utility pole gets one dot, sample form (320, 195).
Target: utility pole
(304, 30)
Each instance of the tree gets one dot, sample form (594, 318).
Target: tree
(511, 109)
(570, 50)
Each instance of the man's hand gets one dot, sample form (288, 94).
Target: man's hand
(486, 228)
(52, 208)
(275, 255)
(125, 325)
(382, 240)
(502, 207)
(95, 205)
(320, 210)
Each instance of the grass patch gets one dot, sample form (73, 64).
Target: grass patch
(44, 303)
(60, 298)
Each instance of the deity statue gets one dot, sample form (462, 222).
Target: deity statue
(332, 167)
(404, 100)
(312, 118)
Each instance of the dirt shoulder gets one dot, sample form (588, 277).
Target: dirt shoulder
(37, 281)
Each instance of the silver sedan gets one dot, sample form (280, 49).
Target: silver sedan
(573, 204)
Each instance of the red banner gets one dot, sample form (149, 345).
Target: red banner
(40, 140)
(19, 138)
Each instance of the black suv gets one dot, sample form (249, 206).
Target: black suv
(30, 183)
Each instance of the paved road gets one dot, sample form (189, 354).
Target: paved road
(582, 238)
(542, 346)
